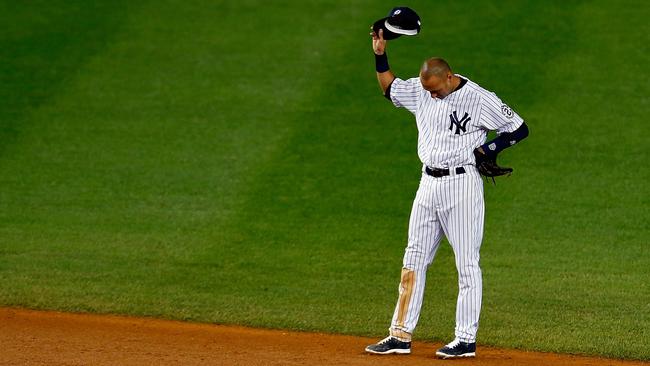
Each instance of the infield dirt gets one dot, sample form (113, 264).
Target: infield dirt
(30, 337)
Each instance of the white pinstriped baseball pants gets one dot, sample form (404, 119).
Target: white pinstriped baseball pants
(452, 205)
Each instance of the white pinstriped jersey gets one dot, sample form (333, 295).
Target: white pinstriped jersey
(449, 129)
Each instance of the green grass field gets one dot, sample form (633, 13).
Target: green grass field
(234, 162)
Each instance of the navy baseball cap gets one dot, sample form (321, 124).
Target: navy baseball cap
(400, 21)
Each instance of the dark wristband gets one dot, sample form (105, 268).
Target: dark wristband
(381, 63)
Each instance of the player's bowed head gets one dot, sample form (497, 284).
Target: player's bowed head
(437, 78)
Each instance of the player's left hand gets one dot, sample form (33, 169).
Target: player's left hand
(488, 166)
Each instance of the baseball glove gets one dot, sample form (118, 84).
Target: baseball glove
(488, 166)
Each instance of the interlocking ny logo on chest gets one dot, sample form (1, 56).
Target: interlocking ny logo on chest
(460, 124)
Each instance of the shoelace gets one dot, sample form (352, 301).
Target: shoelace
(453, 344)
(385, 340)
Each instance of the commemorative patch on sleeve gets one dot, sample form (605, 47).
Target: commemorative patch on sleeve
(507, 111)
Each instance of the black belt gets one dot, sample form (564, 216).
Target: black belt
(438, 172)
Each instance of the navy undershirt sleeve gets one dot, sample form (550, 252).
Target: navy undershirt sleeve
(505, 140)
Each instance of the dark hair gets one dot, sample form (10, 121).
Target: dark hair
(435, 66)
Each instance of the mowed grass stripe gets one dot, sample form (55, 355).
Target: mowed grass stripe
(177, 101)
(149, 151)
(41, 50)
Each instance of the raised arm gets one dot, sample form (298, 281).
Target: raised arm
(384, 75)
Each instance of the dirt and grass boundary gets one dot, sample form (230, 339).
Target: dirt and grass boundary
(30, 337)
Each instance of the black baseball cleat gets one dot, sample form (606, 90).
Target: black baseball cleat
(457, 349)
(389, 345)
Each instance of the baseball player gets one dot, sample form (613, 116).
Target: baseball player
(453, 115)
